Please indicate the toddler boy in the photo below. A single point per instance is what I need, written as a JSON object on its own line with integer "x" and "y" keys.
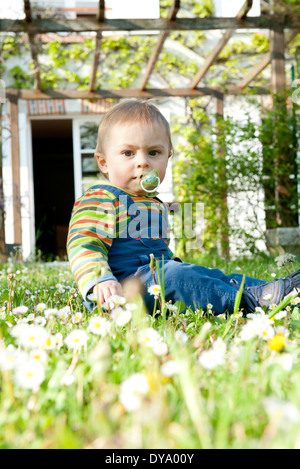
{"x": 115, "y": 226}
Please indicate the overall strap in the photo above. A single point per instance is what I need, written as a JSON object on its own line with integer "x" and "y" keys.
{"x": 117, "y": 192}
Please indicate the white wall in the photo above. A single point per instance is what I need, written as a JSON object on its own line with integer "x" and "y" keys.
{"x": 7, "y": 178}
{"x": 26, "y": 181}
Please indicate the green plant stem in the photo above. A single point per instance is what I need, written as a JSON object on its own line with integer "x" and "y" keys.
{"x": 162, "y": 292}
{"x": 282, "y": 305}
{"x": 237, "y": 303}
{"x": 159, "y": 298}
{"x": 180, "y": 319}
{"x": 292, "y": 281}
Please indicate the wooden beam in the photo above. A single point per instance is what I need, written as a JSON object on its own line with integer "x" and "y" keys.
{"x": 95, "y": 62}
{"x": 263, "y": 63}
{"x": 219, "y": 105}
{"x": 122, "y": 93}
{"x": 86, "y": 24}
{"x": 220, "y": 46}
{"x": 277, "y": 47}
{"x": 33, "y": 46}
{"x": 101, "y": 11}
{"x": 27, "y": 9}
{"x": 100, "y": 16}
{"x": 243, "y": 12}
{"x": 34, "y": 54}
{"x": 15, "y": 161}
{"x": 159, "y": 45}
{"x": 255, "y": 71}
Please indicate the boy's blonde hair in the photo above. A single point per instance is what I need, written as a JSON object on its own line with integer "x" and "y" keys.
{"x": 127, "y": 112}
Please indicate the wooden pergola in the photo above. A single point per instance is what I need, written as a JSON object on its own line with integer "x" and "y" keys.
{"x": 283, "y": 28}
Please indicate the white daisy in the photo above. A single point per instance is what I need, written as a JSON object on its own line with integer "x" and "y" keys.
{"x": 154, "y": 290}
{"x": 40, "y": 307}
{"x": 99, "y": 325}
{"x": 170, "y": 368}
{"x": 76, "y": 339}
{"x": 76, "y": 318}
{"x": 30, "y": 374}
{"x": 32, "y": 336}
{"x": 149, "y": 337}
{"x": 63, "y": 313}
{"x": 11, "y": 357}
{"x": 121, "y": 316}
{"x": 181, "y": 337}
{"x": 132, "y": 390}
{"x": 20, "y": 310}
{"x": 160, "y": 349}
{"x": 40, "y": 320}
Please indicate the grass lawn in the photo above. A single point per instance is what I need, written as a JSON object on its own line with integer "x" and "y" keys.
{"x": 74, "y": 379}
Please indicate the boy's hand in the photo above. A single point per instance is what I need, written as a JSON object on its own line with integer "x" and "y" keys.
{"x": 106, "y": 289}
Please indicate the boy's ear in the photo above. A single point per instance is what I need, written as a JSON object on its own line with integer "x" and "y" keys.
{"x": 101, "y": 162}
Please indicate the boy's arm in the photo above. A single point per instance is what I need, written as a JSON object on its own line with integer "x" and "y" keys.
{"x": 91, "y": 232}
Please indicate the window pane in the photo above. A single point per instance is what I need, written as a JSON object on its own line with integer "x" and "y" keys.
{"x": 88, "y": 135}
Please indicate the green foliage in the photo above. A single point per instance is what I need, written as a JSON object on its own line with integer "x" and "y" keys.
{"x": 200, "y": 9}
{"x": 195, "y": 173}
{"x": 294, "y": 46}
{"x": 10, "y": 46}
{"x": 236, "y": 158}
{"x": 257, "y": 43}
{"x": 286, "y": 6}
{"x": 49, "y": 79}
{"x": 279, "y": 133}
{"x": 21, "y": 78}
{"x": 55, "y": 53}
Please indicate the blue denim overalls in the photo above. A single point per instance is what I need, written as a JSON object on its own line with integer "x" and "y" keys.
{"x": 197, "y": 286}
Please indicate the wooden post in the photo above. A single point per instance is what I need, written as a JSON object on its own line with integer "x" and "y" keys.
{"x": 277, "y": 45}
{"x": 100, "y": 16}
{"x": 15, "y": 160}
{"x": 3, "y": 257}
{"x": 222, "y": 179}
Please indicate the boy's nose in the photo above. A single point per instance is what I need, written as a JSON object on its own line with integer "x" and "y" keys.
{"x": 142, "y": 161}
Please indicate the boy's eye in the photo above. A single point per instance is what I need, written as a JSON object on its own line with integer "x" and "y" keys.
{"x": 128, "y": 153}
{"x": 153, "y": 152}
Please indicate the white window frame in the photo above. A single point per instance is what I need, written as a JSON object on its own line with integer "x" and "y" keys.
{"x": 77, "y": 121}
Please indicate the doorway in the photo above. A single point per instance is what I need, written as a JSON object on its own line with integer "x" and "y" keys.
{"x": 53, "y": 170}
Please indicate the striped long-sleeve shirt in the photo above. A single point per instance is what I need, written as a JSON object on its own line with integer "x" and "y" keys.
{"x": 98, "y": 217}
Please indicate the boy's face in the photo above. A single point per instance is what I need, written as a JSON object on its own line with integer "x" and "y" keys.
{"x": 132, "y": 150}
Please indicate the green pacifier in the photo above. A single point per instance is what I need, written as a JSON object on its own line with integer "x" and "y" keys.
{"x": 150, "y": 182}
